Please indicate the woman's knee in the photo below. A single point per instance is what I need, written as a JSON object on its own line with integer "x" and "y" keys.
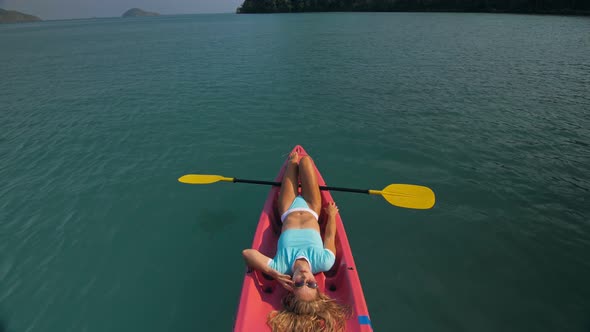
{"x": 305, "y": 161}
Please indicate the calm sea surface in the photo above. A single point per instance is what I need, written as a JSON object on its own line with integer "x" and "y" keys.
{"x": 98, "y": 118}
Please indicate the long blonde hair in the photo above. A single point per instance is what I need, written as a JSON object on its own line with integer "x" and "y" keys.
{"x": 321, "y": 314}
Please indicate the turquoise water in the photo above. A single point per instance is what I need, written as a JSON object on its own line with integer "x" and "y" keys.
{"x": 100, "y": 117}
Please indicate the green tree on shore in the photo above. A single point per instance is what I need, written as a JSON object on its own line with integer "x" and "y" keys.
{"x": 516, "y": 6}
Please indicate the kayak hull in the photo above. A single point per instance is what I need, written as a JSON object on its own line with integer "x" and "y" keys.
{"x": 261, "y": 295}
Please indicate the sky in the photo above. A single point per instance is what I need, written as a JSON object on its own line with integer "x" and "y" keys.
{"x": 64, "y": 9}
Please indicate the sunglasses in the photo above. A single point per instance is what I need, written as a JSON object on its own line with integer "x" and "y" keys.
{"x": 310, "y": 284}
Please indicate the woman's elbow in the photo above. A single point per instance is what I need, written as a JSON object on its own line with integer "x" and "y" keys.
{"x": 247, "y": 253}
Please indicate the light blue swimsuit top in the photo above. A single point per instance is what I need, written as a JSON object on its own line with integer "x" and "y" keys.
{"x": 301, "y": 243}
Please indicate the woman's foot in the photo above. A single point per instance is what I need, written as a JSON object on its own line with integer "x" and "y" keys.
{"x": 294, "y": 157}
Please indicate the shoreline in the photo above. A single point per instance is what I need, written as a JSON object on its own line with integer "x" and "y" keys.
{"x": 552, "y": 13}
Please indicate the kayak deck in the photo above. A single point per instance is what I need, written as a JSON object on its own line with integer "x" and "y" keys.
{"x": 261, "y": 295}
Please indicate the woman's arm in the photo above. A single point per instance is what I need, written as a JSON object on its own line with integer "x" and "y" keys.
{"x": 330, "y": 232}
{"x": 257, "y": 261}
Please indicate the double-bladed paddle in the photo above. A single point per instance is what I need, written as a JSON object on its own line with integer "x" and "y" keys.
{"x": 403, "y": 195}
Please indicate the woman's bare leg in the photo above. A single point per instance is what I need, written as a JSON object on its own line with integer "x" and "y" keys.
{"x": 290, "y": 184}
{"x": 309, "y": 184}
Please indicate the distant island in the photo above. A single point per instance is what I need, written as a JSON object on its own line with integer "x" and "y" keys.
{"x": 577, "y": 7}
{"x": 12, "y": 16}
{"x": 136, "y": 12}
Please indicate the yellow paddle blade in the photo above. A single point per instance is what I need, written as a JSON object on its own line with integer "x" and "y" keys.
{"x": 407, "y": 196}
{"x": 203, "y": 179}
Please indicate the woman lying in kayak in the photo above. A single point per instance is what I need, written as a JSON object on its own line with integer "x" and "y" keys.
{"x": 301, "y": 253}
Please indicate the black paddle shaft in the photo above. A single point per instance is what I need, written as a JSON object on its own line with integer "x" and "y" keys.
{"x": 278, "y": 184}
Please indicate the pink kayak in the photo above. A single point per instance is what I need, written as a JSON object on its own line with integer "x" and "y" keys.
{"x": 260, "y": 295}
